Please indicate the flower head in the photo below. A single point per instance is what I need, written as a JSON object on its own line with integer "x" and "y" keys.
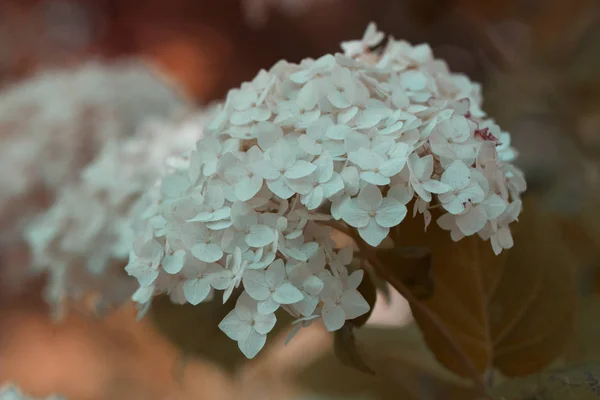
{"x": 349, "y": 137}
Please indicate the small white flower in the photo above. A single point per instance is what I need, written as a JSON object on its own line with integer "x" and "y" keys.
{"x": 322, "y": 184}
{"x": 245, "y": 221}
{"x": 308, "y": 277}
{"x": 342, "y": 302}
{"x": 400, "y": 187}
{"x": 173, "y": 261}
{"x": 201, "y": 242}
{"x": 144, "y": 260}
{"x": 282, "y": 164}
{"x": 211, "y": 151}
{"x": 271, "y": 288}
{"x": 498, "y": 230}
{"x": 421, "y": 180}
{"x": 213, "y": 206}
{"x": 351, "y": 180}
{"x": 452, "y": 139}
{"x": 318, "y": 138}
{"x": 372, "y": 214}
{"x": 462, "y": 190}
{"x": 198, "y": 277}
{"x": 230, "y": 277}
{"x": 247, "y": 326}
{"x": 377, "y": 168}
{"x": 371, "y": 38}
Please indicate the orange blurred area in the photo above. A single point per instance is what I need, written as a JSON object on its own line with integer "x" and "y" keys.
{"x": 84, "y": 358}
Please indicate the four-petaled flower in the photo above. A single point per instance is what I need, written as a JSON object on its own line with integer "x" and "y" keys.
{"x": 247, "y": 326}
{"x": 342, "y": 301}
{"x": 271, "y": 287}
{"x": 373, "y": 214}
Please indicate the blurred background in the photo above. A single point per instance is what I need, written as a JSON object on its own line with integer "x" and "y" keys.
{"x": 538, "y": 62}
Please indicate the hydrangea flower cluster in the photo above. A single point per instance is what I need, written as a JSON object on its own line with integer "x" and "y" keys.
{"x": 83, "y": 240}
{"x": 349, "y": 139}
{"x": 55, "y": 123}
{"x": 10, "y": 392}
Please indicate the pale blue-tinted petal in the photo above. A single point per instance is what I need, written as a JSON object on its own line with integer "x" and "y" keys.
{"x": 374, "y": 178}
{"x": 207, "y": 252}
{"x": 505, "y": 238}
{"x": 333, "y": 316}
{"x": 300, "y": 169}
{"x": 373, "y": 234}
{"x": 437, "y": 187}
{"x": 472, "y": 221}
{"x": 248, "y": 188}
{"x": 260, "y": 236}
{"x": 313, "y": 285}
{"x": 308, "y": 96}
{"x": 355, "y": 279}
{"x": 260, "y": 114}
{"x": 275, "y": 274}
{"x": 369, "y": 198}
{"x": 173, "y": 264}
{"x": 354, "y": 304}
{"x": 353, "y": 214}
{"x": 333, "y": 185}
{"x": 264, "y": 323}
{"x": 457, "y": 175}
{"x": 266, "y": 170}
{"x": 287, "y": 294}
{"x": 309, "y": 145}
{"x": 391, "y": 213}
{"x": 255, "y": 285}
{"x": 392, "y": 167}
{"x": 403, "y": 193}
{"x": 313, "y": 199}
{"x": 337, "y": 99}
{"x": 252, "y": 344}
{"x": 268, "y": 306}
{"x": 233, "y": 327}
{"x": 307, "y": 306}
{"x": 196, "y": 290}
{"x": 494, "y": 206}
{"x": 280, "y": 188}
{"x": 451, "y": 203}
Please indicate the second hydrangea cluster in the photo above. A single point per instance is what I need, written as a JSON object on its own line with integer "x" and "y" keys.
{"x": 350, "y": 139}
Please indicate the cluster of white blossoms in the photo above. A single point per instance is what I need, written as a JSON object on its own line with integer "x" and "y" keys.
{"x": 11, "y": 392}
{"x": 348, "y": 139}
{"x": 56, "y": 122}
{"x": 84, "y": 239}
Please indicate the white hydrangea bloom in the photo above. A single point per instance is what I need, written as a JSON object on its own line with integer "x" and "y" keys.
{"x": 11, "y": 392}
{"x": 83, "y": 240}
{"x": 55, "y": 123}
{"x": 350, "y": 137}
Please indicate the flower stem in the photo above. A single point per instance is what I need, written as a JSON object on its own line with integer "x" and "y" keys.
{"x": 416, "y": 304}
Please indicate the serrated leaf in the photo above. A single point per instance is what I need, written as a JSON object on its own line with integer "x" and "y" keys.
{"x": 574, "y": 383}
{"x": 513, "y": 312}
